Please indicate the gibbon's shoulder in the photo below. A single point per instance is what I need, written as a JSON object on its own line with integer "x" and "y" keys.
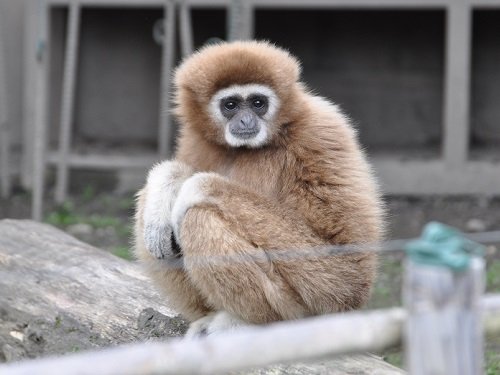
{"x": 322, "y": 125}
{"x": 325, "y": 148}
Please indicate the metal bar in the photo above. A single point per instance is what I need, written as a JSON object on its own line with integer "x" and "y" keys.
{"x": 106, "y": 161}
{"x": 68, "y": 98}
{"x": 240, "y": 20}
{"x": 5, "y": 173}
{"x": 324, "y": 4}
{"x": 485, "y": 4}
{"x": 41, "y": 109}
{"x": 113, "y": 3}
{"x": 350, "y": 4}
{"x": 186, "y": 28}
{"x": 29, "y": 95}
{"x": 436, "y": 177}
{"x": 457, "y": 84}
{"x": 274, "y": 3}
{"x": 166, "y": 128}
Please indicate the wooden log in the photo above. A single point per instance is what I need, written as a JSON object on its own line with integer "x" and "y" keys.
{"x": 444, "y": 333}
{"x": 59, "y": 295}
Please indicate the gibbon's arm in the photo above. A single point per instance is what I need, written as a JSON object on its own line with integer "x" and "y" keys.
{"x": 228, "y": 236}
{"x": 339, "y": 214}
{"x": 251, "y": 215}
{"x": 330, "y": 182}
{"x": 154, "y": 243}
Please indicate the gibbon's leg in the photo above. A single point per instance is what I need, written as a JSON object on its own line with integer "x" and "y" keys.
{"x": 154, "y": 244}
{"x": 228, "y": 236}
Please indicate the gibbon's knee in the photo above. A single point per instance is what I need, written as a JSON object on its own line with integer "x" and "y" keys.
{"x": 231, "y": 273}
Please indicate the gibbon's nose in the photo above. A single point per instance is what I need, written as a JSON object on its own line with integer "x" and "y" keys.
{"x": 247, "y": 122}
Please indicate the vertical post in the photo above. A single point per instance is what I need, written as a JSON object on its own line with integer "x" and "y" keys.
{"x": 457, "y": 83}
{"x": 5, "y": 174}
{"x": 31, "y": 37}
{"x": 68, "y": 98}
{"x": 186, "y": 28}
{"x": 240, "y": 20}
{"x": 166, "y": 129}
{"x": 443, "y": 331}
{"x": 40, "y": 108}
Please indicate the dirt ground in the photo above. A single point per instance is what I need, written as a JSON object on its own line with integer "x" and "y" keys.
{"x": 103, "y": 219}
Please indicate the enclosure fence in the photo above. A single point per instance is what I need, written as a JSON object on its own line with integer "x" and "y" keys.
{"x": 442, "y": 324}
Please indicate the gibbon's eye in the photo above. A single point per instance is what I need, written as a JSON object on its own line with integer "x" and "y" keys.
{"x": 258, "y": 103}
{"x": 230, "y": 105}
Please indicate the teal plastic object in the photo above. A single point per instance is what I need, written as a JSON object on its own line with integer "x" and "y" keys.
{"x": 442, "y": 245}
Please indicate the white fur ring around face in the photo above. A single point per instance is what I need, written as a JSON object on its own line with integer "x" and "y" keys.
{"x": 163, "y": 183}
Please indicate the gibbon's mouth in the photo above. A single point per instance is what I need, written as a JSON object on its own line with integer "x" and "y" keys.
{"x": 246, "y": 137}
{"x": 246, "y": 134}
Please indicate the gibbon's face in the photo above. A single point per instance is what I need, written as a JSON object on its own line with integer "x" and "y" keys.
{"x": 245, "y": 114}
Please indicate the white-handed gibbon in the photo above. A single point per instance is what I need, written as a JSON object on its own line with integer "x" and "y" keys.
{"x": 262, "y": 166}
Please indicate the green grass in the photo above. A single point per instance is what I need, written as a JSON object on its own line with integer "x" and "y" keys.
{"x": 66, "y": 215}
{"x": 101, "y": 221}
{"x": 88, "y": 193}
{"x": 387, "y": 289}
{"x": 493, "y": 362}
{"x": 127, "y": 203}
{"x": 122, "y": 252}
{"x": 394, "y": 357}
{"x": 87, "y": 208}
{"x": 63, "y": 216}
{"x": 493, "y": 276}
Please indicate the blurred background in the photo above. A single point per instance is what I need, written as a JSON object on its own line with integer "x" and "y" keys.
{"x": 84, "y": 101}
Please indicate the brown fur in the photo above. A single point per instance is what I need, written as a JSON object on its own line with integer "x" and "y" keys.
{"x": 311, "y": 185}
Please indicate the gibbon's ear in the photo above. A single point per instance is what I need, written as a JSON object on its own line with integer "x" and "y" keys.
{"x": 217, "y": 66}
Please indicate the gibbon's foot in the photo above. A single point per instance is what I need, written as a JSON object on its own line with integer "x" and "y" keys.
{"x": 199, "y": 328}
{"x": 163, "y": 184}
{"x": 213, "y": 324}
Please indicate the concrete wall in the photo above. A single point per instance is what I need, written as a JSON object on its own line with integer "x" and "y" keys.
{"x": 486, "y": 80}
{"x": 119, "y": 76}
{"x": 117, "y": 99}
{"x": 385, "y": 68}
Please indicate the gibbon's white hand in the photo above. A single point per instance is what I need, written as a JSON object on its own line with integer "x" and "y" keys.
{"x": 163, "y": 184}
